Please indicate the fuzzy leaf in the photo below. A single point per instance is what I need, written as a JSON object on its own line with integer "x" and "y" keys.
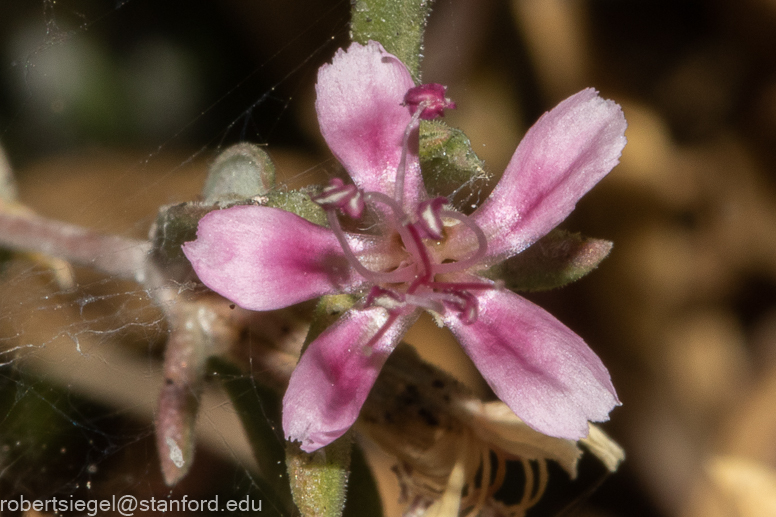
{"x": 241, "y": 172}
{"x": 555, "y": 260}
{"x": 177, "y": 414}
{"x": 397, "y": 24}
{"x": 319, "y": 480}
{"x": 299, "y": 203}
{"x": 447, "y": 160}
{"x": 196, "y": 334}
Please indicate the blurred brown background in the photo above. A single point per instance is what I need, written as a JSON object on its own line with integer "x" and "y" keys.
{"x": 109, "y": 109}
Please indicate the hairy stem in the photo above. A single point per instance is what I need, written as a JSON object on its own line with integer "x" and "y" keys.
{"x": 118, "y": 256}
{"x": 397, "y": 24}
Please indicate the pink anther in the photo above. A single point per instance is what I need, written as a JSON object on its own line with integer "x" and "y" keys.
{"x": 430, "y": 217}
{"x": 430, "y": 98}
{"x": 338, "y": 195}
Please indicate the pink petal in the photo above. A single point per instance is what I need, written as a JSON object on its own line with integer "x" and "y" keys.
{"x": 336, "y": 373}
{"x": 561, "y": 157}
{"x": 264, "y": 258}
{"x": 359, "y": 104}
{"x": 542, "y": 370}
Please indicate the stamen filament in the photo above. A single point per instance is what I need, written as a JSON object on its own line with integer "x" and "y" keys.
{"x": 398, "y": 211}
{"x": 400, "y": 171}
{"x": 542, "y": 485}
{"x": 380, "y": 292}
{"x": 396, "y": 276}
{"x": 416, "y": 272}
{"x": 467, "y": 286}
{"x": 412, "y": 241}
{"x": 429, "y": 217}
{"x": 484, "y": 482}
{"x": 420, "y": 249}
{"x": 426, "y": 302}
{"x": 525, "y": 502}
{"x": 462, "y": 301}
{"x": 501, "y": 473}
{"x": 482, "y": 245}
{"x": 392, "y": 317}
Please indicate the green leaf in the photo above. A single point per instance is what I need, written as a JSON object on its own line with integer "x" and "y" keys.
{"x": 555, "y": 260}
{"x": 299, "y": 203}
{"x": 243, "y": 171}
{"x": 397, "y": 24}
{"x": 319, "y": 479}
{"x": 447, "y": 160}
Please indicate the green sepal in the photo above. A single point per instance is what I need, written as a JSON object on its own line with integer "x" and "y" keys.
{"x": 243, "y": 171}
{"x": 319, "y": 480}
{"x": 297, "y": 202}
{"x": 555, "y": 260}
{"x": 397, "y": 24}
{"x": 447, "y": 160}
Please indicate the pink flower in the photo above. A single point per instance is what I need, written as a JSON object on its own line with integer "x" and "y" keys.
{"x": 421, "y": 255}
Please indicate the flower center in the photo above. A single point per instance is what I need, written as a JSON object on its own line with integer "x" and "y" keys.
{"x": 414, "y": 281}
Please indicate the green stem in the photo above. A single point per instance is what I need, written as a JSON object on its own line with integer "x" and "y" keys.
{"x": 397, "y": 24}
{"x": 258, "y": 407}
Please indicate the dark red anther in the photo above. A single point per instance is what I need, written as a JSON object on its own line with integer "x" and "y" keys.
{"x": 430, "y": 98}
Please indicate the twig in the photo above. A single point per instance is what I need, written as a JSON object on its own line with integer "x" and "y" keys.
{"x": 118, "y": 256}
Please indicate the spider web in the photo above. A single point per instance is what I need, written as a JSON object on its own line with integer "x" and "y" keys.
{"x": 107, "y": 112}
